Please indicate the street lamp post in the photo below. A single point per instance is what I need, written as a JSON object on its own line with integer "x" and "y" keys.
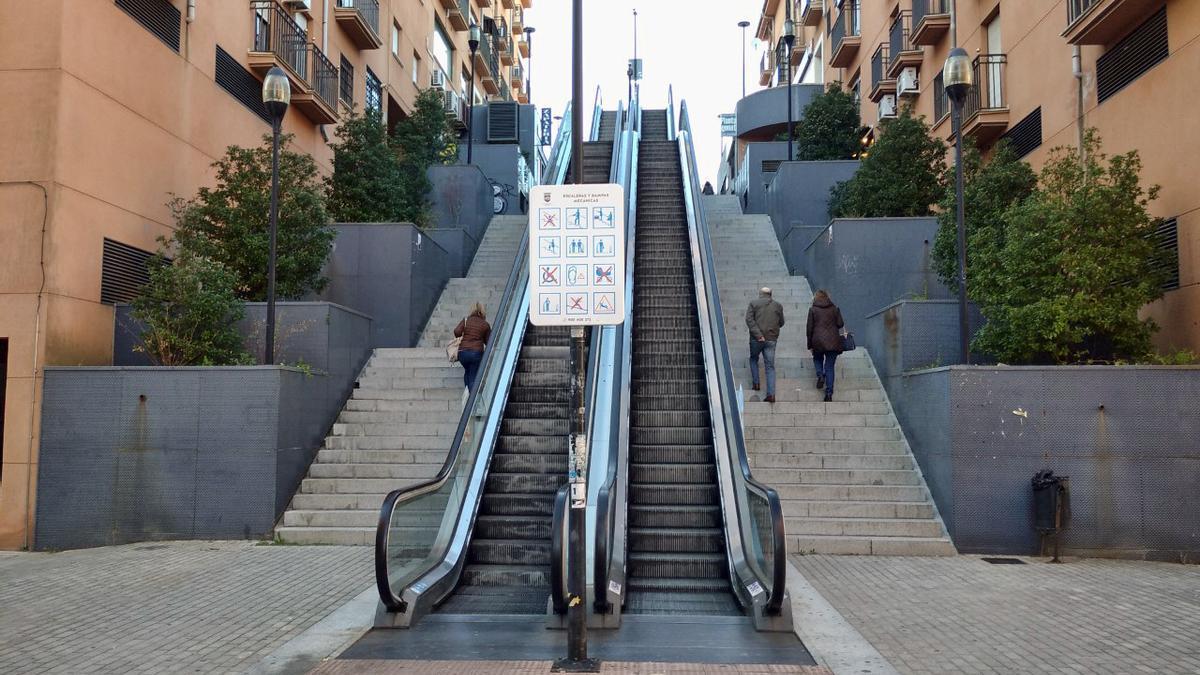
{"x": 629, "y": 79}
{"x": 473, "y": 43}
{"x": 958, "y": 79}
{"x": 789, "y": 37}
{"x": 529, "y": 63}
{"x": 743, "y": 25}
{"x": 276, "y": 95}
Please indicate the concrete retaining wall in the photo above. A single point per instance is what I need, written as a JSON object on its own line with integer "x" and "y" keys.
{"x": 916, "y": 334}
{"x": 798, "y": 202}
{"x": 460, "y": 210}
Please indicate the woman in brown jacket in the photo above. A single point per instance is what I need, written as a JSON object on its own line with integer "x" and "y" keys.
{"x": 824, "y": 339}
{"x": 474, "y": 331}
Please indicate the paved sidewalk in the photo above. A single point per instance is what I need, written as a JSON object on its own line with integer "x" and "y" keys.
{"x": 962, "y": 615}
{"x": 169, "y": 607}
{"x": 352, "y": 667}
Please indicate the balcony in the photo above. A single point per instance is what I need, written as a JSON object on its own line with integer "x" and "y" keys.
{"x": 360, "y": 20}
{"x": 280, "y": 41}
{"x": 484, "y": 3}
{"x": 1098, "y": 22}
{"x": 458, "y": 14}
{"x": 503, "y": 41}
{"x": 904, "y": 54}
{"x": 881, "y": 83}
{"x": 516, "y": 76}
{"x": 845, "y": 36}
{"x": 527, "y": 3}
{"x": 766, "y": 68}
{"x": 523, "y": 46}
{"x": 487, "y": 65}
{"x": 930, "y": 21}
{"x": 798, "y": 48}
{"x": 810, "y": 12}
{"x": 518, "y": 21}
{"x": 508, "y": 4}
{"x": 985, "y": 112}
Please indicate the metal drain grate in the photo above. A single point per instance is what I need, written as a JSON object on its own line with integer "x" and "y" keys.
{"x": 1003, "y": 561}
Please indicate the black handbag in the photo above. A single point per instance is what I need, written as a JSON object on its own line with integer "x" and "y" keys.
{"x": 848, "y": 344}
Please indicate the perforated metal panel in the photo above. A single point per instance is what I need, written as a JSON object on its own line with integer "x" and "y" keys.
{"x": 123, "y": 272}
{"x": 502, "y": 122}
{"x": 1136, "y": 53}
{"x": 160, "y": 17}
{"x": 1025, "y": 136}
{"x": 240, "y": 83}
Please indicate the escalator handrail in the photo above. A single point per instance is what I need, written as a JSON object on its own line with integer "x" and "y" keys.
{"x": 671, "y": 132}
{"x": 624, "y": 171}
{"x": 597, "y": 116}
{"x": 778, "y": 574}
{"x": 383, "y": 527}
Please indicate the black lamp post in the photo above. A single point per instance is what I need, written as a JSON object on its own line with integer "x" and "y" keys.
{"x": 473, "y": 43}
{"x": 276, "y": 95}
{"x": 789, "y": 37}
{"x": 529, "y": 63}
{"x": 743, "y": 25}
{"x": 958, "y": 79}
{"x": 629, "y": 79}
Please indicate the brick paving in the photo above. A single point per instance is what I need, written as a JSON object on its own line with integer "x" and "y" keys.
{"x": 366, "y": 667}
{"x": 962, "y": 615}
{"x": 167, "y": 607}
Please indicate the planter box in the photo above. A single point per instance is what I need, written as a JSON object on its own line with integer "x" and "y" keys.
{"x": 138, "y": 454}
{"x": 1127, "y": 436}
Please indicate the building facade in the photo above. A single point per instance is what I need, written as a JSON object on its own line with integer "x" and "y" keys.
{"x": 1044, "y": 71}
{"x": 114, "y": 106}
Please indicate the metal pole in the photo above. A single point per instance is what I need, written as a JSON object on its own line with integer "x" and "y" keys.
{"x": 964, "y": 342}
{"x": 743, "y": 59}
{"x": 270, "y": 349}
{"x": 789, "y": 96}
{"x": 577, "y": 90}
{"x": 471, "y": 110}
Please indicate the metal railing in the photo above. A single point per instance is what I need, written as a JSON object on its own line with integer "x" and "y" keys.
{"x": 753, "y": 513}
{"x": 768, "y": 62}
{"x": 846, "y": 24}
{"x": 279, "y": 34}
{"x": 923, "y": 8}
{"x": 988, "y": 91}
{"x": 941, "y": 102}
{"x": 879, "y": 66}
{"x": 367, "y": 9}
{"x": 1077, "y": 8}
{"x": 324, "y": 77}
{"x": 900, "y": 35}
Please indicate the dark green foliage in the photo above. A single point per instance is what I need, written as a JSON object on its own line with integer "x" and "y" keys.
{"x": 1071, "y": 267}
{"x": 989, "y": 190}
{"x": 829, "y": 127}
{"x": 189, "y": 309}
{"x": 367, "y": 181}
{"x": 422, "y": 140}
{"x": 230, "y": 222}
{"x": 901, "y": 174}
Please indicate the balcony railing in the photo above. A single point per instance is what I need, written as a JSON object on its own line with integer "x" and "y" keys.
{"x": 941, "y": 102}
{"x": 809, "y": 12}
{"x": 275, "y": 32}
{"x": 518, "y": 20}
{"x": 1077, "y": 8}
{"x": 517, "y": 75}
{"x": 459, "y": 15}
{"x": 988, "y": 93}
{"x": 360, "y": 20}
{"x": 904, "y": 53}
{"x": 324, "y": 77}
{"x": 930, "y": 20}
{"x": 881, "y": 82}
{"x": 487, "y": 64}
{"x": 845, "y": 35}
{"x": 766, "y": 67}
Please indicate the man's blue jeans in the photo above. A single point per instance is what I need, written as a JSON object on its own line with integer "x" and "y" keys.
{"x": 767, "y": 349}
{"x": 823, "y": 362}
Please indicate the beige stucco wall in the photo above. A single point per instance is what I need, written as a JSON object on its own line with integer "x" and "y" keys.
{"x": 1151, "y": 115}
{"x": 112, "y": 123}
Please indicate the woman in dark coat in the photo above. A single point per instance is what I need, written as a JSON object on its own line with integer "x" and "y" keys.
{"x": 824, "y": 339}
{"x": 474, "y": 331}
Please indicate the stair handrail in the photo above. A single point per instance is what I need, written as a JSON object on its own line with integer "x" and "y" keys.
{"x": 671, "y": 133}
{"x": 726, "y": 416}
{"x": 608, "y": 574}
{"x": 597, "y": 114}
{"x": 392, "y": 602}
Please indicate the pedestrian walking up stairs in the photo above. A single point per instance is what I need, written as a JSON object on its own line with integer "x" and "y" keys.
{"x": 847, "y": 479}
{"x": 397, "y": 426}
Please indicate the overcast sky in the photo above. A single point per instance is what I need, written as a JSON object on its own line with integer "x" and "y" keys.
{"x": 695, "y": 45}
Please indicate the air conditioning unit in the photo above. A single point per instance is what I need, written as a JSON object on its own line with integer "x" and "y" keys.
{"x": 437, "y": 79}
{"x": 887, "y": 106}
{"x": 908, "y": 84}
{"x": 452, "y": 105}
{"x": 303, "y": 5}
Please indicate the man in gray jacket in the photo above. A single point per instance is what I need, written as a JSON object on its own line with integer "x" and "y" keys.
{"x": 764, "y": 318}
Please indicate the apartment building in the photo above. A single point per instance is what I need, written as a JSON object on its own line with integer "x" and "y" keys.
{"x": 113, "y": 106}
{"x": 1044, "y": 70}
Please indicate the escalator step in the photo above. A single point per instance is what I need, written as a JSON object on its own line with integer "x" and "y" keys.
{"x": 663, "y": 495}
{"x": 678, "y": 565}
{"x": 677, "y": 402}
{"x": 642, "y": 419}
{"x": 543, "y": 366}
{"x": 528, "y": 411}
{"x": 675, "y": 516}
{"x": 507, "y": 575}
{"x": 676, "y": 540}
{"x": 644, "y": 474}
{"x": 532, "y": 444}
{"x": 650, "y": 386}
{"x": 498, "y": 483}
{"x": 512, "y": 527}
{"x": 562, "y": 379}
{"x": 527, "y": 394}
{"x": 671, "y": 454}
{"x": 535, "y": 427}
{"x": 670, "y": 435}
{"x": 508, "y": 552}
{"x": 530, "y": 463}
{"x": 518, "y": 503}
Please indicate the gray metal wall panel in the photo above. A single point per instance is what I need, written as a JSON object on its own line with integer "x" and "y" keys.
{"x": 798, "y": 203}
{"x": 920, "y": 405}
{"x": 755, "y": 199}
{"x": 916, "y": 334}
{"x": 460, "y": 204}
{"x": 765, "y": 111}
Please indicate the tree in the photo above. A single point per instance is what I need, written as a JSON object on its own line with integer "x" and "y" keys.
{"x": 189, "y": 311}
{"x": 230, "y": 222}
{"x": 989, "y": 191}
{"x": 422, "y": 140}
{"x": 829, "y": 127}
{"x": 366, "y": 185}
{"x": 901, "y": 174}
{"x": 1074, "y": 264}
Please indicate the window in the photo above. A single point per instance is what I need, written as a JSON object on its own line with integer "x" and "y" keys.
{"x": 346, "y": 82}
{"x": 442, "y": 50}
{"x": 374, "y": 98}
{"x": 240, "y": 83}
{"x": 416, "y": 69}
{"x": 122, "y": 272}
{"x": 395, "y": 39}
{"x": 160, "y": 17}
{"x": 1135, "y": 54}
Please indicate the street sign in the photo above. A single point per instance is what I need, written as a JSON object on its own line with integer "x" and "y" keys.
{"x": 728, "y": 124}
{"x": 577, "y": 255}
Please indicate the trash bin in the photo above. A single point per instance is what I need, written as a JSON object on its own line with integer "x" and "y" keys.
{"x": 1049, "y": 502}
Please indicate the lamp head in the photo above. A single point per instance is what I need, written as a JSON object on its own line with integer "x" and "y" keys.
{"x": 473, "y": 40}
{"x": 957, "y": 75}
{"x": 529, "y": 30}
{"x": 276, "y": 92}
{"x": 789, "y": 33}
{"x": 743, "y": 24}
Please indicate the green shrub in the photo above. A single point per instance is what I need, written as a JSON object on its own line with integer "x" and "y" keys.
{"x": 829, "y": 127}
{"x": 422, "y": 140}
{"x": 366, "y": 185}
{"x": 901, "y": 174}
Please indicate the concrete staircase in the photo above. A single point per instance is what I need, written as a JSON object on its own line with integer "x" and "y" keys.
{"x": 400, "y": 422}
{"x": 844, "y": 472}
